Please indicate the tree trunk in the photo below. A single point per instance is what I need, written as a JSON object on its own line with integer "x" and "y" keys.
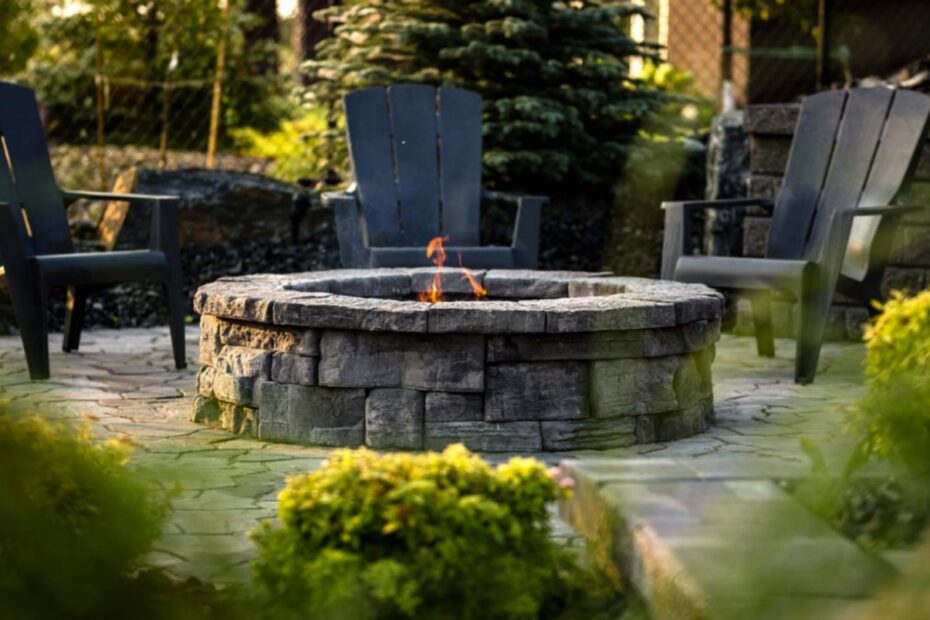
{"x": 308, "y": 32}
{"x": 263, "y": 37}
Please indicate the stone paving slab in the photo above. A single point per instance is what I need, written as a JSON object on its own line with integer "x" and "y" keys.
{"x": 122, "y": 384}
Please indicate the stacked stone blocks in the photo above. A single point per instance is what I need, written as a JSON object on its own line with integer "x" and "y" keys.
{"x": 506, "y": 380}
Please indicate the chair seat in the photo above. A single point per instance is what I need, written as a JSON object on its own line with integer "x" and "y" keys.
{"x": 101, "y": 267}
{"x": 472, "y": 257}
{"x": 743, "y": 273}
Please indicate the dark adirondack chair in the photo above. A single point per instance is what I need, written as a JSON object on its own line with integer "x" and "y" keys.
{"x": 832, "y": 222}
{"x": 37, "y": 251}
{"x": 416, "y": 153}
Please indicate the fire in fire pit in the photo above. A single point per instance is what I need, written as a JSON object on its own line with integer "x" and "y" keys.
{"x": 437, "y": 253}
{"x": 523, "y": 361}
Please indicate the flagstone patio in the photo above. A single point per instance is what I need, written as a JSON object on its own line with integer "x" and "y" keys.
{"x": 123, "y": 384}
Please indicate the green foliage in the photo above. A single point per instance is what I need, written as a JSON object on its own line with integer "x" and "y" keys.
{"x": 893, "y": 420}
{"x": 144, "y": 44}
{"x": 18, "y": 39}
{"x": 415, "y": 536}
{"x": 560, "y": 109}
{"x": 299, "y": 148}
{"x": 73, "y": 522}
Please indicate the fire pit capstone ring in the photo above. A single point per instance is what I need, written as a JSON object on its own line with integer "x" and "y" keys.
{"x": 548, "y": 361}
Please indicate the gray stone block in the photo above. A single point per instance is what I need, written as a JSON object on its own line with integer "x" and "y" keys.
{"x": 769, "y": 154}
{"x": 645, "y": 428}
{"x": 755, "y": 236}
{"x": 204, "y": 410}
{"x": 595, "y": 287}
{"x": 685, "y": 338}
{"x": 778, "y": 119}
{"x": 693, "y": 383}
{"x": 485, "y": 317}
{"x": 205, "y": 381}
{"x": 288, "y": 368}
{"x": 566, "y": 347}
{"x": 210, "y": 344}
{"x": 588, "y": 434}
{"x": 857, "y": 318}
{"x": 764, "y": 185}
{"x": 237, "y": 419}
{"x": 536, "y": 391}
{"x": 598, "y": 314}
{"x": 319, "y": 407}
{"x": 244, "y": 362}
{"x": 685, "y": 423}
{"x": 233, "y": 388}
{"x": 450, "y": 362}
{"x": 266, "y": 337}
{"x": 450, "y": 407}
{"x": 633, "y": 387}
{"x": 311, "y": 415}
{"x": 394, "y": 419}
{"x": 340, "y": 312}
{"x": 911, "y": 246}
{"x": 485, "y": 436}
{"x": 373, "y": 283}
{"x": 902, "y": 279}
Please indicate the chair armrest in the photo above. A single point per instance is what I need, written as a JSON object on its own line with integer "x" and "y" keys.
{"x": 720, "y": 205}
{"x": 332, "y": 199}
{"x": 353, "y": 248}
{"x": 893, "y": 210}
{"x": 525, "y": 242}
{"x": 71, "y": 196}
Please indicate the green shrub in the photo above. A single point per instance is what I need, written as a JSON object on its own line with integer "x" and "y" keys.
{"x": 560, "y": 109}
{"x": 893, "y": 420}
{"x": 426, "y": 536}
{"x": 73, "y": 522}
{"x": 299, "y": 148}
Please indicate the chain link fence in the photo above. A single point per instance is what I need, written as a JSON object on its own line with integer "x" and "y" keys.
{"x": 216, "y": 83}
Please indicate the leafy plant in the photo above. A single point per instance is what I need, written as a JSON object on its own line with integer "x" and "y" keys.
{"x": 560, "y": 108}
{"x": 73, "y": 522}
{"x": 299, "y": 148}
{"x": 893, "y": 420}
{"x": 415, "y": 536}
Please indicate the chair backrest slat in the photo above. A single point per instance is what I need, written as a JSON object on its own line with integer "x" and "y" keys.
{"x": 796, "y": 204}
{"x": 856, "y": 144}
{"x": 460, "y": 144}
{"x": 33, "y": 179}
{"x": 901, "y": 142}
{"x": 369, "y": 129}
{"x": 416, "y": 152}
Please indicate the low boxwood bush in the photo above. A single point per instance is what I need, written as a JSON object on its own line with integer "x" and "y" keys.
{"x": 433, "y": 535}
{"x": 893, "y": 419}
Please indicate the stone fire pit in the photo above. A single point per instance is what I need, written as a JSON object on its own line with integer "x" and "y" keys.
{"x": 548, "y": 361}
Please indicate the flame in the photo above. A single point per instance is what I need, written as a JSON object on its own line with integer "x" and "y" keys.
{"x": 437, "y": 254}
{"x": 476, "y": 287}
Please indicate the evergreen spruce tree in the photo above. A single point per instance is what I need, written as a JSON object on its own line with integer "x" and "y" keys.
{"x": 560, "y": 109}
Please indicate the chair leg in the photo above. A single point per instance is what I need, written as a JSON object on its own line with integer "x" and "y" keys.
{"x": 75, "y": 307}
{"x": 176, "y": 308}
{"x": 31, "y": 307}
{"x": 762, "y": 322}
{"x": 815, "y": 307}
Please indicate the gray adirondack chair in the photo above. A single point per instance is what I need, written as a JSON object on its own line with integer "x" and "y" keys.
{"x": 416, "y": 154}
{"x": 37, "y": 251}
{"x": 832, "y": 222}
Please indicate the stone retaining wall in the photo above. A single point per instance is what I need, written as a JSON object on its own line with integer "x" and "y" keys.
{"x": 771, "y": 129}
{"x": 330, "y": 383}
